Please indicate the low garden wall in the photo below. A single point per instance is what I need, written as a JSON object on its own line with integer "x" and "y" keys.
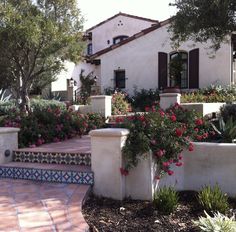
{"x": 208, "y": 164}
{"x": 203, "y": 108}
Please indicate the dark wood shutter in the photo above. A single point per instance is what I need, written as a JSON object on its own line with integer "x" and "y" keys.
{"x": 194, "y": 69}
{"x": 162, "y": 70}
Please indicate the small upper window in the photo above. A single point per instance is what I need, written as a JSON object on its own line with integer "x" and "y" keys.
{"x": 120, "y": 79}
{"x": 118, "y": 39}
{"x": 90, "y": 49}
{"x": 178, "y": 69}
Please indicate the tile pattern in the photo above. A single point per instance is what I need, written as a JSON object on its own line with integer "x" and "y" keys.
{"x": 35, "y": 206}
{"x": 59, "y": 176}
{"x": 52, "y": 157}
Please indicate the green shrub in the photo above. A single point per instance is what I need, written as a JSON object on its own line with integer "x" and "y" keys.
{"x": 119, "y": 104}
{"x": 95, "y": 121}
{"x": 228, "y": 111}
{"x": 217, "y": 223}
{"x": 41, "y": 104}
{"x": 213, "y": 93}
{"x": 144, "y": 98}
{"x": 166, "y": 200}
{"x": 7, "y": 107}
{"x": 213, "y": 199}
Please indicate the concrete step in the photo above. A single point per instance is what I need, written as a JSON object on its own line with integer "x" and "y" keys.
{"x": 75, "y": 174}
{"x": 48, "y": 156}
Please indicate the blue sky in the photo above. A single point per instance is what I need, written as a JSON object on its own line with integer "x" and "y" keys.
{"x": 95, "y": 11}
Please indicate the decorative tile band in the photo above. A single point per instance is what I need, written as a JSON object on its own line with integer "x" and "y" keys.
{"x": 53, "y": 158}
{"x": 47, "y": 175}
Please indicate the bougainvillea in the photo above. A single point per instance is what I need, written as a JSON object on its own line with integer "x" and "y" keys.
{"x": 165, "y": 133}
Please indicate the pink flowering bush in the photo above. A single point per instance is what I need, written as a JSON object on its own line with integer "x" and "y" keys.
{"x": 166, "y": 134}
{"x": 50, "y": 125}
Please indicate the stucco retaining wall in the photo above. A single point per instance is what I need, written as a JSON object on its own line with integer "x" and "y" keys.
{"x": 8, "y": 142}
{"x": 208, "y": 164}
{"x": 203, "y": 108}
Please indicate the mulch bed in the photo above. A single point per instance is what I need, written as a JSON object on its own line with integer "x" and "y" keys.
{"x": 104, "y": 214}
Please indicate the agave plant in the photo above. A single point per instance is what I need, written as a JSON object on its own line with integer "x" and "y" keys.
{"x": 217, "y": 223}
{"x": 4, "y": 97}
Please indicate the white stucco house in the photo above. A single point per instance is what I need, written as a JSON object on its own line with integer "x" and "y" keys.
{"x": 127, "y": 51}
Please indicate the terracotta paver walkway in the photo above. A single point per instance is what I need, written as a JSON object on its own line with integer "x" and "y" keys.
{"x": 74, "y": 145}
{"x": 41, "y": 207}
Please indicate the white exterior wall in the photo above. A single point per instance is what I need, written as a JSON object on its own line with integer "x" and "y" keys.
{"x": 61, "y": 83}
{"x": 139, "y": 58}
{"x": 111, "y": 29}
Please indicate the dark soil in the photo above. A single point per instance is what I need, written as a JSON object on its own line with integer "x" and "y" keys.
{"x": 104, "y": 214}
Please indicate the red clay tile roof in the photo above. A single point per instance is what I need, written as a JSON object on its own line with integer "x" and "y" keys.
{"x": 122, "y": 14}
{"x": 129, "y": 39}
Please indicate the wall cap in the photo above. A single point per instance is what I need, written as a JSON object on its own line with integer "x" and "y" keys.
{"x": 8, "y": 130}
{"x": 170, "y": 95}
{"x": 109, "y": 132}
{"x": 100, "y": 96}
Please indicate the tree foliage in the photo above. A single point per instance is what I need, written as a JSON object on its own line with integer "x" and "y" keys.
{"x": 203, "y": 20}
{"x": 36, "y": 36}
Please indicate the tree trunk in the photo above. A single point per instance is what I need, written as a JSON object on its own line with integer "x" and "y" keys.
{"x": 25, "y": 101}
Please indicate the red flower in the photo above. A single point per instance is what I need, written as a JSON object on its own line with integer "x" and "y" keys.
{"x": 142, "y": 118}
{"x": 157, "y": 177}
{"x": 166, "y": 164}
{"x": 196, "y": 129}
{"x": 180, "y": 157}
{"x": 162, "y": 113}
{"x": 160, "y": 153}
{"x": 178, "y": 132}
{"x": 124, "y": 172}
{"x": 190, "y": 148}
{"x": 205, "y": 135}
{"x": 199, "y": 122}
{"x": 147, "y": 109}
{"x": 173, "y": 118}
{"x": 170, "y": 172}
{"x": 179, "y": 164}
{"x": 199, "y": 137}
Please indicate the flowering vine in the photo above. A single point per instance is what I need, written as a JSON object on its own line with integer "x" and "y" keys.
{"x": 165, "y": 133}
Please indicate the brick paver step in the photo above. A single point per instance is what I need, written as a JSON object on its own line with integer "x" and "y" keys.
{"x": 27, "y": 205}
{"x": 75, "y": 174}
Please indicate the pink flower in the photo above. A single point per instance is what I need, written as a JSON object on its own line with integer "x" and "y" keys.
{"x": 190, "y": 148}
{"x": 199, "y": 122}
{"x": 199, "y": 137}
{"x": 173, "y": 118}
{"x": 162, "y": 113}
{"x": 32, "y": 146}
{"x": 147, "y": 109}
{"x": 124, "y": 172}
{"x": 178, "y": 132}
{"x": 180, "y": 157}
{"x": 160, "y": 153}
{"x": 166, "y": 164}
{"x": 178, "y": 164}
{"x": 170, "y": 172}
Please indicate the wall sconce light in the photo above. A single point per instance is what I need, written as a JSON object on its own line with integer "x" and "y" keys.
{"x": 95, "y": 79}
{"x": 71, "y": 82}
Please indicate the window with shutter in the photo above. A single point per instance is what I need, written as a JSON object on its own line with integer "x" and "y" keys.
{"x": 162, "y": 70}
{"x": 194, "y": 69}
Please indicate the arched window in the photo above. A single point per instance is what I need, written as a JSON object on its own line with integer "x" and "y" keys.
{"x": 178, "y": 69}
{"x": 119, "y": 38}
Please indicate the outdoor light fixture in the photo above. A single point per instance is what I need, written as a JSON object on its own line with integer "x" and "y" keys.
{"x": 71, "y": 82}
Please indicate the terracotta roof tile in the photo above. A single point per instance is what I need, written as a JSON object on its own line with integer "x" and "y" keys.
{"x": 122, "y": 14}
{"x": 129, "y": 39}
